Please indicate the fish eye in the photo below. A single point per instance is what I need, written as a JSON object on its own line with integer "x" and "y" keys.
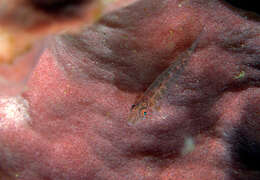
{"x": 143, "y": 112}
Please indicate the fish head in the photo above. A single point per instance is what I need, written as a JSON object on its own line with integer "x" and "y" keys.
{"x": 139, "y": 112}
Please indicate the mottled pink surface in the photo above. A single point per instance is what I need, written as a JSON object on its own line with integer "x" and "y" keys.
{"x": 71, "y": 123}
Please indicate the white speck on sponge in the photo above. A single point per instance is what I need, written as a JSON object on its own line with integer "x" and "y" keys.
{"x": 188, "y": 145}
{"x": 13, "y": 112}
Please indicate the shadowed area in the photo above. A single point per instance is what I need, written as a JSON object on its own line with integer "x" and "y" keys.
{"x": 55, "y": 6}
{"x": 199, "y": 112}
{"x": 246, "y": 5}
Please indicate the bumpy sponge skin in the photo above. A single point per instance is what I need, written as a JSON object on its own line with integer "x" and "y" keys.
{"x": 72, "y": 123}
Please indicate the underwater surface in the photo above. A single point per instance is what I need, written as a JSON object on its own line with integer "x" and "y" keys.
{"x": 148, "y": 90}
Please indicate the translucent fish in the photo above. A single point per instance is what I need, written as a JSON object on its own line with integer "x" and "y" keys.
{"x": 151, "y": 100}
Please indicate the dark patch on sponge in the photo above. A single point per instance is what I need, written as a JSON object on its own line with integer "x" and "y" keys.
{"x": 245, "y": 149}
{"x": 243, "y": 142}
{"x": 248, "y": 5}
{"x": 58, "y": 6}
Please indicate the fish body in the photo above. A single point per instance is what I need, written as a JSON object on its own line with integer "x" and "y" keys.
{"x": 150, "y": 102}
